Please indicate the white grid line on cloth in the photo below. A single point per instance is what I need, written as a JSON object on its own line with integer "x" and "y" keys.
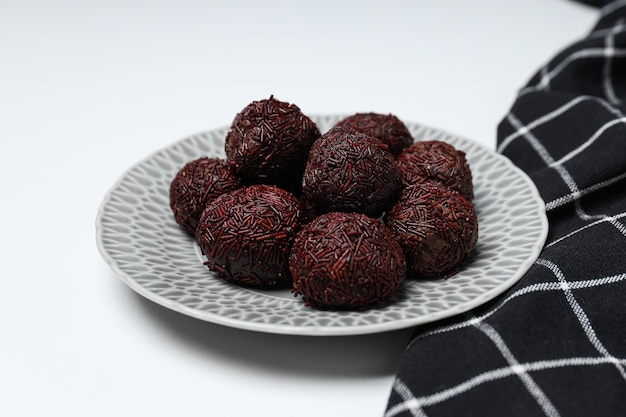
{"x": 608, "y": 52}
{"x": 611, "y": 7}
{"x": 546, "y": 157}
{"x": 544, "y": 76}
{"x": 541, "y": 120}
{"x": 496, "y": 374}
{"x": 525, "y": 131}
{"x": 598, "y": 52}
{"x": 409, "y": 402}
{"x": 560, "y": 169}
{"x": 568, "y": 198}
{"x": 589, "y": 141}
{"x": 529, "y": 383}
{"x": 554, "y": 114}
{"x": 607, "y": 79}
{"x": 529, "y": 289}
{"x": 599, "y": 33}
{"x": 582, "y": 316}
{"x": 611, "y": 219}
{"x": 576, "y": 194}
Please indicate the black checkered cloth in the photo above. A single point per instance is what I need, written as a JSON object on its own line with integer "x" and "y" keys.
{"x": 555, "y": 343}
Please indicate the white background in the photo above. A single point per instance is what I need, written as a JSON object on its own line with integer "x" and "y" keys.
{"x": 88, "y": 88}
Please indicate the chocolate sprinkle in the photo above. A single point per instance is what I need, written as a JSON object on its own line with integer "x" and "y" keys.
{"x": 349, "y": 171}
{"x": 384, "y": 127}
{"x": 246, "y": 235}
{"x": 341, "y": 218}
{"x": 196, "y": 183}
{"x": 346, "y": 261}
{"x": 436, "y": 227}
{"x": 439, "y": 161}
{"x": 269, "y": 141}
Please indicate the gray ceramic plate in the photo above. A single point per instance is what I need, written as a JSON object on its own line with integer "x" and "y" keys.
{"x": 137, "y": 236}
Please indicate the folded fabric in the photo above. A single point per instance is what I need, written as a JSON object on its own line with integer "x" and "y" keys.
{"x": 555, "y": 343}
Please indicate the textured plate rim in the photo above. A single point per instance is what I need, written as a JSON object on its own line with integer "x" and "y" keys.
{"x": 318, "y": 330}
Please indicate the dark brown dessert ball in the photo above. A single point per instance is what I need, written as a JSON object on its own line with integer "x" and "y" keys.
{"x": 439, "y": 161}
{"x": 385, "y": 127}
{"x": 349, "y": 171}
{"x": 197, "y": 183}
{"x": 269, "y": 141}
{"x": 346, "y": 261}
{"x": 436, "y": 227}
{"x": 247, "y": 234}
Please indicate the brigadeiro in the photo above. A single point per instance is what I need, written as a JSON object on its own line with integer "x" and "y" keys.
{"x": 439, "y": 161}
{"x": 349, "y": 171}
{"x": 195, "y": 184}
{"x": 247, "y": 234}
{"x": 385, "y": 127}
{"x": 269, "y": 141}
{"x": 346, "y": 261}
{"x": 436, "y": 227}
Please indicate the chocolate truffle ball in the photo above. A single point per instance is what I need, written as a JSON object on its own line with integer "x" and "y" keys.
{"x": 436, "y": 227}
{"x": 349, "y": 171}
{"x": 346, "y": 261}
{"x": 385, "y": 127}
{"x": 269, "y": 141}
{"x": 439, "y": 161}
{"x": 195, "y": 184}
{"x": 247, "y": 234}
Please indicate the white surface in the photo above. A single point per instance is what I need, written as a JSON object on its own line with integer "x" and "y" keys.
{"x": 513, "y": 228}
{"x": 87, "y": 88}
